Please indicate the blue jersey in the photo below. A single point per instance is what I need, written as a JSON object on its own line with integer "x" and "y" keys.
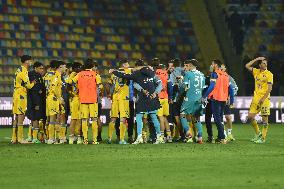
{"x": 195, "y": 82}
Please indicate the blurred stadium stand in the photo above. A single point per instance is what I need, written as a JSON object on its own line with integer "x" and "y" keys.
{"x": 103, "y": 29}
{"x": 257, "y": 29}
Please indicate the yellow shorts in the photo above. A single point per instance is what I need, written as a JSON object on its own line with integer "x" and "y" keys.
{"x": 264, "y": 108}
{"x": 75, "y": 107}
{"x": 120, "y": 108}
{"x": 89, "y": 110}
{"x": 165, "y": 109}
{"x": 19, "y": 104}
{"x": 52, "y": 106}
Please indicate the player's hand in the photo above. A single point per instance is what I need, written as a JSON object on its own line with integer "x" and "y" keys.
{"x": 36, "y": 107}
{"x": 40, "y": 91}
{"x": 171, "y": 101}
{"x": 261, "y": 101}
{"x": 34, "y": 81}
{"x": 231, "y": 106}
{"x": 145, "y": 92}
{"x": 110, "y": 71}
{"x": 154, "y": 95}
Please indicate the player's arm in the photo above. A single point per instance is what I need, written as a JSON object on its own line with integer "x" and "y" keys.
{"x": 249, "y": 65}
{"x": 99, "y": 81}
{"x": 123, "y": 75}
{"x": 269, "y": 88}
{"x": 159, "y": 84}
{"x": 231, "y": 94}
{"x": 211, "y": 87}
{"x": 26, "y": 80}
{"x": 170, "y": 89}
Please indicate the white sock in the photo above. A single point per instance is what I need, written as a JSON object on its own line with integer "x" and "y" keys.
{"x": 225, "y": 133}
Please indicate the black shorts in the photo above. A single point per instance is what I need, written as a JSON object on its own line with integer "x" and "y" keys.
{"x": 99, "y": 110}
{"x": 227, "y": 110}
{"x": 176, "y": 109}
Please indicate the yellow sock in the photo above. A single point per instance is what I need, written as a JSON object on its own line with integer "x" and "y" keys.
{"x": 191, "y": 128}
{"x": 122, "y": 129}
{"x": 95, "y": 130}
{"x": 169, "y": 133}
{"x": 110, "y": 129}
{"x": 264, "y": 131}
{"x": 85, "y": 129}
{"x": 35, "y": 132}
{"x": 57, "y": 130}
{"x": 63, "y": 131}
{"x": 14, "y": 134}
{"x": 47, "y": 130}
{"x": 50, "y": 129}
{"x": 40, "y": 124}
{"x": 78, "y": 128}
{"x": 20, "y": 133}
{"x": 255, "y": 126}
{"x": 30, "y": 133}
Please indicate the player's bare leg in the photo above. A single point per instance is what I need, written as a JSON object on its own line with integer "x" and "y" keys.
{"x": 162, "y": 125}
{"x": 72, "y": 130}
{"x": 168, "y": 129}
{"x": 63, "y": 126}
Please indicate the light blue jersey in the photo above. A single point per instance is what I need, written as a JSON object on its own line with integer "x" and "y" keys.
{"x": 195, "y": 82}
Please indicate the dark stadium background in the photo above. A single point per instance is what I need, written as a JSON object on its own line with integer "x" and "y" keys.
{"x": 234, "y": 31}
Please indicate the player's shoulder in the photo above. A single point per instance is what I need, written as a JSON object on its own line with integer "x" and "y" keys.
{"x": 268, "y": 73}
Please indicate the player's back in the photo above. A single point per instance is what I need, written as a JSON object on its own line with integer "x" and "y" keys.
{"x": 196, "y": 83}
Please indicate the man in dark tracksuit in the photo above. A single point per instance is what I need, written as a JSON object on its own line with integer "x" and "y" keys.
{"x": 147, "y": 100}
{"x": 36, "y": 99}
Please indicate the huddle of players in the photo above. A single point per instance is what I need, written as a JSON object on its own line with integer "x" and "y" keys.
{"x": 169, "y": 100}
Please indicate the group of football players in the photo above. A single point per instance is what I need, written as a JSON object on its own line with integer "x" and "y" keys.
{"x": 151, "y": 102}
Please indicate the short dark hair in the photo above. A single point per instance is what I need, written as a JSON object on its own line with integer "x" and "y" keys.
{"x": 76, "y": 66}
{"x": 122, "y": 61}
{"x": 25, "y": 57}
{"x": 176, "y": 62}
{"x": 61, "y": 62}
{"x": 69, "y": 65}
{"x": 194, "y": 62}
{"x": 155, "y": 62}
{"x": 37, "y": 64}
{"x": 54, "y": 64}
{"x": 89, "y": 63}
{"x": 140, "y": 62}
{"x": 218, "y": 62}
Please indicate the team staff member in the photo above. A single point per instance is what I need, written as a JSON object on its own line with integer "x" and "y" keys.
{"x": 36, "y": 99}
{"x": 88, "y": 81}
{"x": 261, "y": 98}
{"x": 21, "y": 84}
{"x": 219, "y": 90}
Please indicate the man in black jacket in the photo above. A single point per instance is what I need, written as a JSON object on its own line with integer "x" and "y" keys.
{"x": 147, "y": 98}
{"x": 36, "y": 99}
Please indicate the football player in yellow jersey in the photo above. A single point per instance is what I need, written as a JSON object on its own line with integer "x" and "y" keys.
{"x": 261, "y": 98}
{"x": 21, "y": 84}
{"x": 54, "y": 97}
{"x": 87, "y": 85}
{"x": 120, "y": 103}
{"x": 75, "y": 125}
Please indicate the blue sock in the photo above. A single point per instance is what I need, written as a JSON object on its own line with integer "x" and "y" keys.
{"x": 184, "y": 124}
{"x": 199, "y": 128}
{"x": 139, "y": 122}
{"x": 156, "y": 123}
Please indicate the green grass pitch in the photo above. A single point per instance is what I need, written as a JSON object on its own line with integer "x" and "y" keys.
{"x": 239, "y": 164}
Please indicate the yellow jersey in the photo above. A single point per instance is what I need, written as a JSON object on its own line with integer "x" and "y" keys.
{"x": 262, "y": 79}
{"x": 121, "y": 88}
{"x": 53, "y": 83}
{"x": 21, "y": 81}
{"x": 74, "y": 86}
